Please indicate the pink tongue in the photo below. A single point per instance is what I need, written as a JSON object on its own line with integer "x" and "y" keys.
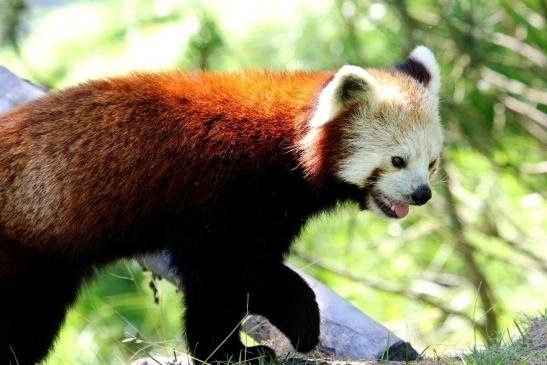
{"x": 401, "y": 210}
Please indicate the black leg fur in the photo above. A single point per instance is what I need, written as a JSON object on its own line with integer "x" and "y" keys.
{"x": 288, "y": 302}
{"x": 230, "y": 259}
{"x": 216, "y": 298}
{"x": 32, "y": 309}
{"x": 219, "y": 293}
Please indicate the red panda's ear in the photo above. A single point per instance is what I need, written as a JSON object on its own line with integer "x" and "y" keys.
{"x": 422, "y": 66}
{"x": 349, "y": 85}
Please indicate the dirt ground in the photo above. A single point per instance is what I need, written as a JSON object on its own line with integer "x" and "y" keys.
{"x": 537, "y": 341}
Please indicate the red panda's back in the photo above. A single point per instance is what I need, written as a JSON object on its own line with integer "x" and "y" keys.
{"x": 96, "y": 158}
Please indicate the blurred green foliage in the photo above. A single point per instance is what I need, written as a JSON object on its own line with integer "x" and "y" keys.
{"x": 450, "y": 275}
{"x": 11, "y": 13}
{"x": 205, "y": 45}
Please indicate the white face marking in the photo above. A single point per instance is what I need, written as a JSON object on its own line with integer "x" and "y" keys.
{"x": 418, "y": 148}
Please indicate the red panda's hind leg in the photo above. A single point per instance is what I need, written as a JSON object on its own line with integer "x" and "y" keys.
{"x": 32, "y": 308}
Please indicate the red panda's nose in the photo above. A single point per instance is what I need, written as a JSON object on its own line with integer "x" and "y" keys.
{"x": 421, "y": 195}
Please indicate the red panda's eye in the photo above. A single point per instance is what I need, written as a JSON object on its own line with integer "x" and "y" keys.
{"x": 432, "y": 163}
{"x": 398, "y": 162}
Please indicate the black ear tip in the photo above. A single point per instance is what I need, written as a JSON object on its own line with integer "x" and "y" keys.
{"x": 416, "y": 70}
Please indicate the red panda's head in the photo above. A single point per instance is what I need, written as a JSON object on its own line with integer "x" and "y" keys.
{"x": 379, "y": 130}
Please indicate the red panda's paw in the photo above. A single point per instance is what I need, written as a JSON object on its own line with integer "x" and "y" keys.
{"x": 308, "y": 336}
{"x": 289, "y": 304}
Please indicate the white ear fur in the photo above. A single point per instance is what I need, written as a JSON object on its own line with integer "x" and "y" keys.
{"x": 423, "y": 55}
{"x": 350, "y": 84}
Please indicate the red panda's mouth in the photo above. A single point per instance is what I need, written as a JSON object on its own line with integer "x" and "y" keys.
{"x": 389, "y": 206}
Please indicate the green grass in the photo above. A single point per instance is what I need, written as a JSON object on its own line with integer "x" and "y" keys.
{"x": 514, "y": 349}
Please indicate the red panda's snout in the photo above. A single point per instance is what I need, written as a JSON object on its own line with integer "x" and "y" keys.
{"x": 401, "y": 186}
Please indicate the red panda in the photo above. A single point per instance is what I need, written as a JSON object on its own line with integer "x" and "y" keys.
{"x": 223, "y": 170}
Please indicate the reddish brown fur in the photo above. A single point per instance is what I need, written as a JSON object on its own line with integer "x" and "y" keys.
{"x": 369, "y": 185}
{"x": 105, "y": 145}
{"x": 190, "y": 162}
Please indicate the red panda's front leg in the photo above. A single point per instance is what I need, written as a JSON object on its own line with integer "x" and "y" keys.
{"x": 219, "y": 292}
{"x": 217, "y": 300}
{"x": 287, "y": 301}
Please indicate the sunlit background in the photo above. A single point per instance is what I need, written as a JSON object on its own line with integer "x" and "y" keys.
{"x": 448, "y": 277}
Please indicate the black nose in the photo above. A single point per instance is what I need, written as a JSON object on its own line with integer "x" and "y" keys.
{"x": 421, "y": 195}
